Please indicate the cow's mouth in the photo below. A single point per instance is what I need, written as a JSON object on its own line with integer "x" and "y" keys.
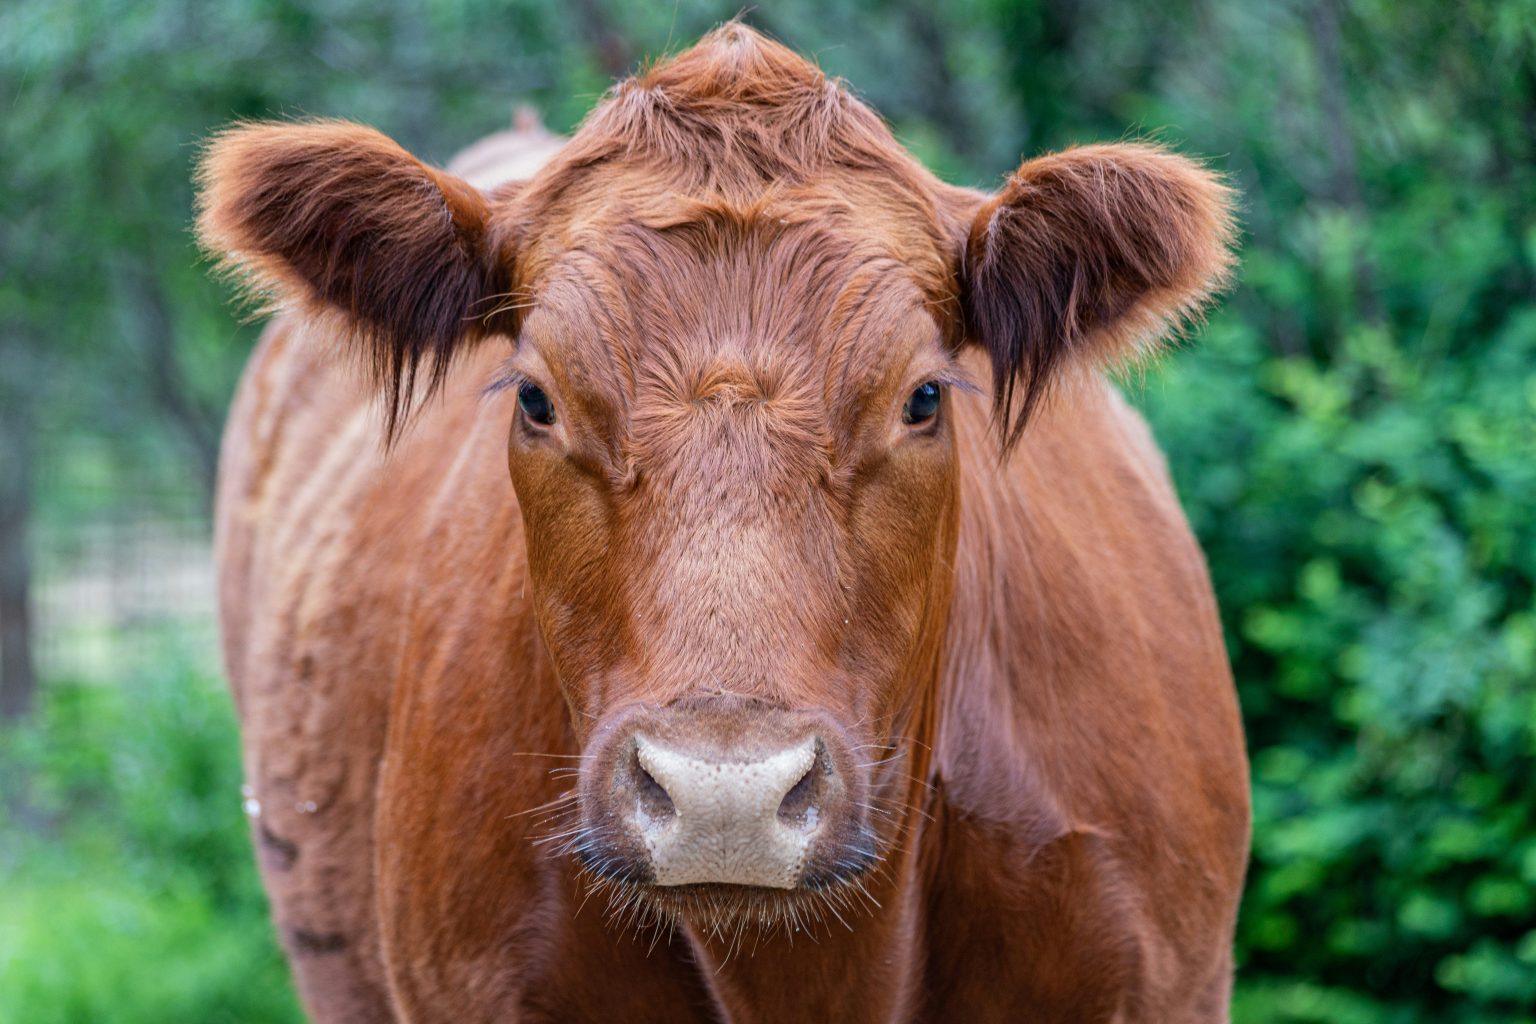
{"x": 737, "y": 915}
{"x": 849, "y": 869}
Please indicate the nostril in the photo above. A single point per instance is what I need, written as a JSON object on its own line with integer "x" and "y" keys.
{"x": 651, "y": 797}
{"x": 801, "y": 806}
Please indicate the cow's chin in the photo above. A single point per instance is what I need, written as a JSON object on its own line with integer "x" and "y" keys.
{"x": 737, "y": 916}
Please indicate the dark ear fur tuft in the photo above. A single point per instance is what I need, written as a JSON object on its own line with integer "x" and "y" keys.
{"x": 1086, "y": 258}
{"x": 339, "y": 221}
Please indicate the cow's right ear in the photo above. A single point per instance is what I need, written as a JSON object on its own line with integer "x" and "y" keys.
{"x": 334, "y": 218}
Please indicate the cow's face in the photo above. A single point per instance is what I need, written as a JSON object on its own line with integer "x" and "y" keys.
{"x": 736, "y": 464}
{"x": 734, "y": 308}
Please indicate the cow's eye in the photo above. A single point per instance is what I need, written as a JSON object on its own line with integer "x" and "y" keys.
{"x": 923, "y": 405}
{"x": 535, "y": 404}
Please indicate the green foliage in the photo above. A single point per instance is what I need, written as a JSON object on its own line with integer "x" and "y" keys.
{"x": 130, "y": 891}
{"x": 1355, "y": 441}
{"x": 1361, "y": 520}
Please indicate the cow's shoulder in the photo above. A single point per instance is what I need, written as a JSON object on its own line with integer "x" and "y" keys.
{"x": 1090, "y": 738}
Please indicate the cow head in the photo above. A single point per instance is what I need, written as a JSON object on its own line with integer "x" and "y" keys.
{"x": 737, "y": 314}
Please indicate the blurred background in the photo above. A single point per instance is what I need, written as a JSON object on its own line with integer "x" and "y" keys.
{"x": 1353, "y": 435}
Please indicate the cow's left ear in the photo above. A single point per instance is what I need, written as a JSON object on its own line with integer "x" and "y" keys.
{"x": 1088, "y": 257}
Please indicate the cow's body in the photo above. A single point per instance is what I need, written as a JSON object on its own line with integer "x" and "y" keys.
{"x": 1071, "y": 849}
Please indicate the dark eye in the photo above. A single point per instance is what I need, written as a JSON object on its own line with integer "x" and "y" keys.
{"x": 923, "y": 405}
{"x": 535, "y": 403}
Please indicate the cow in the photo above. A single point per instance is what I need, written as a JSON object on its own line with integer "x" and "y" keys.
{"x": 729, "y": 588}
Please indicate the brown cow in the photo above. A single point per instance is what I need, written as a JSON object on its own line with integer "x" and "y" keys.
{"x": 763, "y": 688}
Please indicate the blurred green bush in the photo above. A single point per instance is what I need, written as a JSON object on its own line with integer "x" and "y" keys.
{"x": 126, "y": 879}
{"x": 1354, "y": 438}
{"x": 1368, "y": 524}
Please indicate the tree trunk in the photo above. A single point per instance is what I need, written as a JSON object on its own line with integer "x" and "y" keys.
{"x": 1344, "y": 188}
{"x": 18, "y": 678}
{"x": 198, "y": 425}
{"x": 940, "y": 98}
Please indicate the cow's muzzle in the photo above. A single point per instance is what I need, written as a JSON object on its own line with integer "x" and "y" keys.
{"x": 721, "y": 791}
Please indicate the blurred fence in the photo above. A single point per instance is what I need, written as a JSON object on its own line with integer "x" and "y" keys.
{"x": 116, "y": 589}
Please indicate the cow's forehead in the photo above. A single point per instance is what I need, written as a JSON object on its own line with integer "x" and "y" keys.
{"x": 731, "y": 309}
{"x": 758, "y": 349}
{"x": 732, "y": 140}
